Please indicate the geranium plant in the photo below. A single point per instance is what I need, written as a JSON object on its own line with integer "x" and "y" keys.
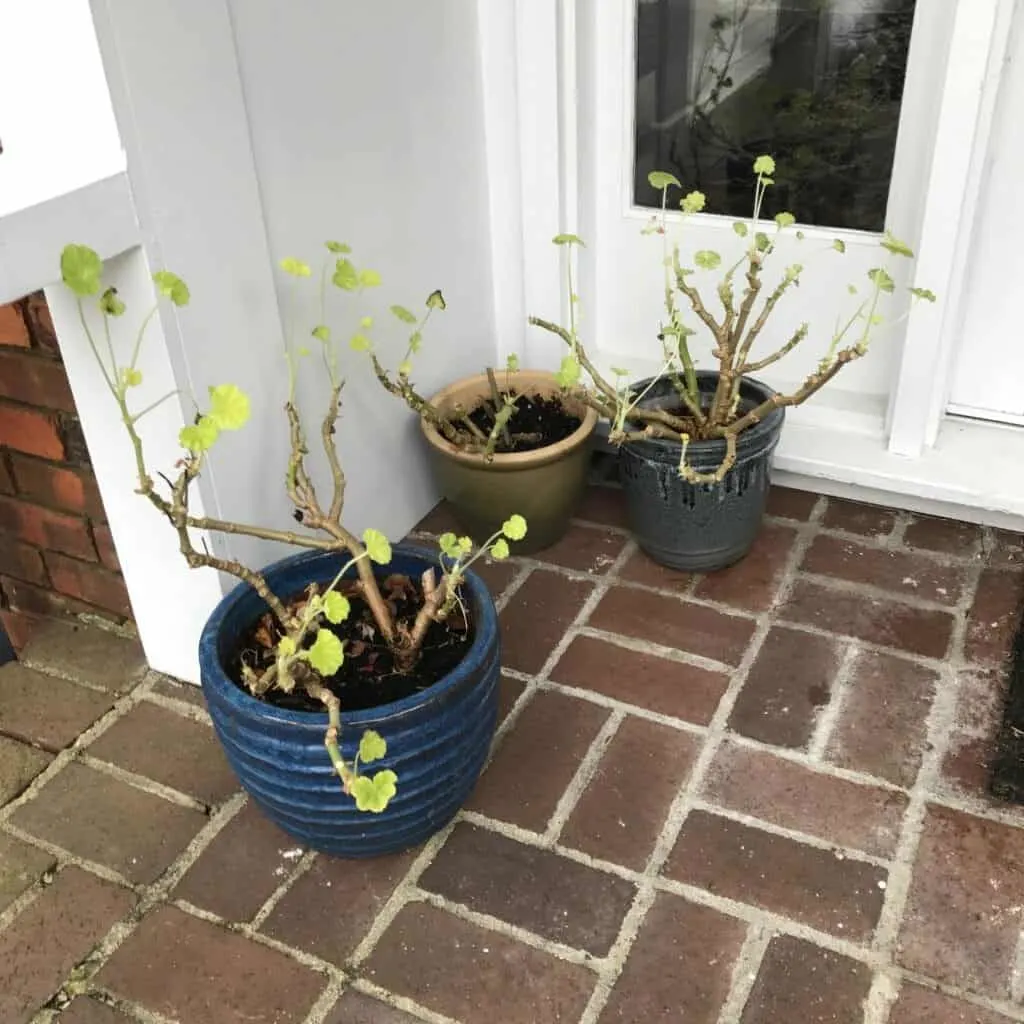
{"x": 733, "y": 332}
{"x": 306, "y": 653}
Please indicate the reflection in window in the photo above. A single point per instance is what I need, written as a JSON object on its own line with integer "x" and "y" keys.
{"x": 815, "y": 83}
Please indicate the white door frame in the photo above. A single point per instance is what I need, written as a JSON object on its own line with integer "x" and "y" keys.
{"x": 533, "y": 109}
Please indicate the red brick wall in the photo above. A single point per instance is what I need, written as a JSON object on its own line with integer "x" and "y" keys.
{"x": 56, "y": 553}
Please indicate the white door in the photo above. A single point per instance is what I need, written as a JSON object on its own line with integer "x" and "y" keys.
{"x": 700, "y": 88}
{"x": 989, "y": 374}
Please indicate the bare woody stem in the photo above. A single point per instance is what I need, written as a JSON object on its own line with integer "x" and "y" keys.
{"x": 319, "y": 692}
{"x": 401, "y": 388}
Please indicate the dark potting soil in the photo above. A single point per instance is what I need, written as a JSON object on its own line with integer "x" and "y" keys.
{"x": 1006, "y": 781}
{"x": 368, "y": 677}
{"x": 538, "y": 421}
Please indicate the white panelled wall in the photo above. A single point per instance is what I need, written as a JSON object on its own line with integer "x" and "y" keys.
{"x": 447, "y": 143}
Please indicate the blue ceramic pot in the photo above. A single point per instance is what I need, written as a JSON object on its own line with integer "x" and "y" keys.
{"x": 437, "y": 740}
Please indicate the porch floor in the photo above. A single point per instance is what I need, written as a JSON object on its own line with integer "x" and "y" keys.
{"x": 753, "y": 797}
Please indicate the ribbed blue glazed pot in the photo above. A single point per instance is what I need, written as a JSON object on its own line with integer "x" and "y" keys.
{"x": 437, "y": 740}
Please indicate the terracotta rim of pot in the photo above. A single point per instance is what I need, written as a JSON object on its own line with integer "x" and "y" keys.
{"x": 469, "y": 389}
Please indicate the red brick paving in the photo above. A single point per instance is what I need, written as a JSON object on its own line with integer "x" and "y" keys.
{"x": 735, "y": 846}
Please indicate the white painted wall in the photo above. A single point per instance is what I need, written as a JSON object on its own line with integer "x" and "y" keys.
{"x": 367, "y": 127}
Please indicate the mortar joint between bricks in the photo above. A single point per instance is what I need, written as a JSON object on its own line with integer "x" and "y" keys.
{"x": 401, "y": 1003}
{"x": 828, "y": 715}
{"x": 304, "y": 864}
{"x": 744, "y": 972}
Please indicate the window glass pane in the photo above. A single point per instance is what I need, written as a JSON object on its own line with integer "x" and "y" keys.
{"x": 815, "y": 83}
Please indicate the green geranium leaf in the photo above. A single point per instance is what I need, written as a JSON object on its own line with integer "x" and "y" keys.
{"x": 366, "y": 322}
{"x": 794, "y": 271}
{"x": 619, "y": 371}
{"x": 740, "y": 228}
{"x": 199, "y": 437}
{"x": 693, "y": 202}
{"x": 374, "y": 794}
{"x": 229, "y": 407}
{"x": 465, "y": 546}
{"x": 403, "y": 314}
{"x": 327, "y": 654}
{"x": 130, "y": 377}
{"x": 369, "y": 278}
{"x": 336, "y": 607}
{"x": 322, "y": 332}
{"x": 880, "y": 278}
{"x": 435, "y": 300}
{"x": 662, "y": 180}
{"x": 372, "y": 747}
{"x": 894, "y": 245}
{"x": 377, "y": 546}
{"x": 924, "y": 293}
{"x": 404, "y": 368}
{"x": 338, "y": 247}
{"x": 707, "y": 259}
{"x": 568, "y": 372}
{"x": 799, "y": 236}
{"x": 171, "y": 287}
{"x": 839, "y": 245}
{"x": 286, "y": 647}
{"x": 110, "y": 303}
{"x": 499, "y": 549}
{"x": 764, "y": 165}
{"x": 785, "y": 220}
{"x": 81, "y": 269}
{"x": 415, "y": 341}
{"x": 449, "y": 545}
{"x": 762, "y": 242}
{"x": 302, "y": 352}
{"x": 852, "y": 289}
{"x": 512, "y": 363}
{"x": 567, "y": 239}
{"x": 345, "y": 275}
{"x": 297, "y": 268}
{"x": 514, "y": 527}
{"x": 359, "y": 343}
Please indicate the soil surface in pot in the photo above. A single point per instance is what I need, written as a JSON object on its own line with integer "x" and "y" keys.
{"x": 368, "y": 677}
{"x": 539, "y": 421}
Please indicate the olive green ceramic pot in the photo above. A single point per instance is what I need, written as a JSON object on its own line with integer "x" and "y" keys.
{"x": 544, "y": 486}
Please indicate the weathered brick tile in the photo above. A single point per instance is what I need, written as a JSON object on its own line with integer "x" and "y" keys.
{"x": 789, "y": 795}
{"x": 917, "y": 1005}
{"x": 45, "y": 710}
{"x": 805, "y": 983}
{"x": 553, "y": 730}
{"x": 180, "y": 691}
{"x": 191, "y": 970}
{"x": 788, "y": 684}
{"x": 88, "y": 1011}
{"x": 964, "y": 916}
{"x": 1007, "y": 550}
{"x": 51, "y": 935}
{"x": 21, "y": 865}
{"x": 785, "y": 503}
{"x": 585, "y": 549}
{"x": 994, "y": 617}
{"x": 331, "y": 907}
{"x": 95, "y": 656}
{"x": 103, "y": 819}
{"x": 19, "y": 765}
{"x": 440, "y": 519}
{"x": 537, "y": 616}
{"x": 236, "y": 874}
{"x": 657, "y": 684}
{"x": 900, "y": 572}
{"x": 673, "y": 623}
{"x": 753, "y": 582}
{"x": 141, "y": 740}
{"x": 509, "y": 691}
{"x": 947, "y": 536}
{"x": 473, "y": 974}
{"x": 622, "y": 810}
{"x": 355, "y": 1008}
{"x": 496, "y": 575}
{"x": 641, "y": 569}
{"x": 538, "y": 890}
{"x": 882, "y": 728}
{"x": 807, "y": 884}
{"x": 604, "y": 505}
{"x": 867, "y": 520}
{"x": 971, "y": 749}
{"x": 679, "y": 968}
{"x": 876, "y": 620}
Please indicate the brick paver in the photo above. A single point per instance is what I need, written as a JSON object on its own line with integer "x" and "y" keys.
{"x": 751, "y": 797}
